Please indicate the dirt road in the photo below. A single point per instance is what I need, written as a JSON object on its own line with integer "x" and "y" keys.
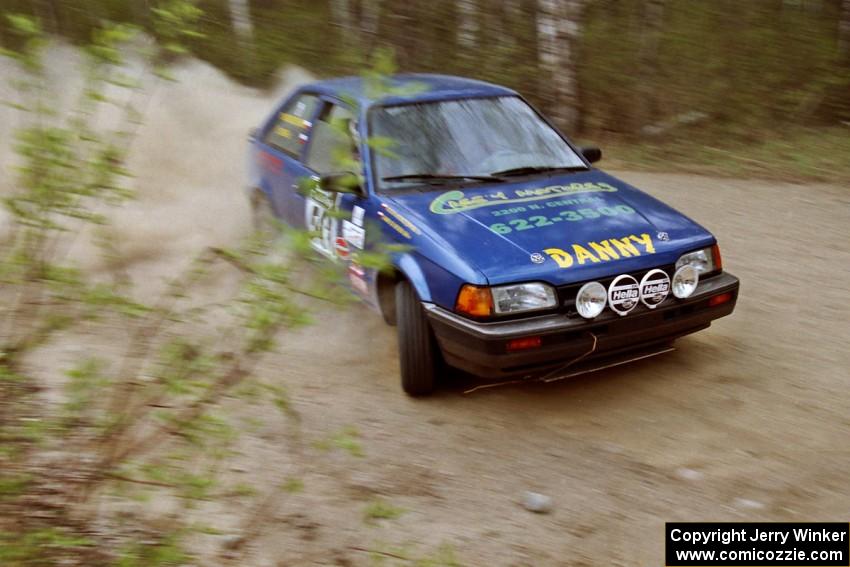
{"x": 745, "y": 421}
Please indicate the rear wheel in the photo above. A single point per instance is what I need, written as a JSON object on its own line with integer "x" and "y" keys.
{"x": 418, "y": 353}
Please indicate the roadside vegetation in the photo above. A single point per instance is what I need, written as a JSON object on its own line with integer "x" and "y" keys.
{"x": 722, "y": 87}
{"x": 90, "y": 459}
{"x": 800, "y": 155}
{"x": 120, "y": 459}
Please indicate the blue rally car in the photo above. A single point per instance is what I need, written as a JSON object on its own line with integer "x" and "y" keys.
{"x": 522, "y": 260}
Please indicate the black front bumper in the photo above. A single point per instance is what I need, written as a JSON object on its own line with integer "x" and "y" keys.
{"x": 482, "y": 348}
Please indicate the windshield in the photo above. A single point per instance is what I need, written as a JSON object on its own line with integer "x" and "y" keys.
{"x": 476, "y": 137}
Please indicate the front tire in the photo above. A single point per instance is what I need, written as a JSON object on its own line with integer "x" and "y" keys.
{"x": 417, "y": 347}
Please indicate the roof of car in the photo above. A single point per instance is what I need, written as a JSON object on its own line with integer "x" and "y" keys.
{"x": 409, "y": 87}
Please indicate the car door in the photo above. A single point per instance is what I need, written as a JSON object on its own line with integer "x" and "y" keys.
{"x": 282, "y": 148}
{"x": 337, "y": 219}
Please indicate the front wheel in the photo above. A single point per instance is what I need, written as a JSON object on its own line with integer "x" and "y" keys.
{"x": 417, "y": 347}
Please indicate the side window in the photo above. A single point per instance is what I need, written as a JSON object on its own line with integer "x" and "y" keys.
{"x": 334, "y": 145}
{"x": 292, "y": 127}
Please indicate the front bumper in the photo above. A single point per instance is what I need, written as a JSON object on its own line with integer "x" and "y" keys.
{"x": 482, "y": 348}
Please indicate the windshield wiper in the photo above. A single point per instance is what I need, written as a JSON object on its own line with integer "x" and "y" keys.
{"x": 531, "y": 169}
{"x": 436, "y": 177}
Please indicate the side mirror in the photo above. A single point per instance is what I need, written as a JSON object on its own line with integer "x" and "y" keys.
{"x": 344, "y": 182}
{"x": 591, "y": 153}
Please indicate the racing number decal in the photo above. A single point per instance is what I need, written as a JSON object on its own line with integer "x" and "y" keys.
{"x": 324, "y": 226}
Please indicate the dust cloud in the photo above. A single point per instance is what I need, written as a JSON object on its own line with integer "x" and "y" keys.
{"x": 187, "y": 159}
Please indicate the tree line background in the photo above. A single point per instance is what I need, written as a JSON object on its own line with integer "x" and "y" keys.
{"x": 654, "y": 70}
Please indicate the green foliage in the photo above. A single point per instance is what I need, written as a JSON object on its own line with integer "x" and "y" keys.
{"x": 13, "y": 485}
{"x": 443, "y": 556}
{"x": 175, "y": 22}
{"x": 86, "y": 381}
{"x": 148, "y": 423}
{"x": 145, "y": 422}
{"x": 28, "y": 30}
{"x": 292, "y": 485}
{"x": 347, "y": 439}
{"x": 800, "y": 155}
{"x": 38, "y": 547}
{"x": 159, "y": 554}
{"x": 750, "y": 71}
{"x": 381, "y": 510}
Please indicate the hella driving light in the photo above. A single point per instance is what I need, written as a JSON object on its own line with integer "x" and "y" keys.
{"x": 523, "y": 297}
{"x": 702, "y": 260}
{"x": 623, "y": 294}
{"x": 591, "y": 300}
{"x": 654, "y": 288}
{"x": 685, "y": 281}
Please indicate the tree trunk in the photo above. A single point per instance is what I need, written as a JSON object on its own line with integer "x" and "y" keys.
{"x": 342, "y": 20}
{"x": 467, "y": 25}
{"x": 370, "y": 12}
{"x": 240, "y": 18}
{"x": 558, "y": 27}
{"x": 646, "y": 110}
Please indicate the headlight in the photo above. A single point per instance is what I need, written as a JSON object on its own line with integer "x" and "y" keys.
{"x": 523, "y": 297}
{"x": 705, "y": 260}
{"x": 685, "y": 281}
{"x": 591, "y": 299}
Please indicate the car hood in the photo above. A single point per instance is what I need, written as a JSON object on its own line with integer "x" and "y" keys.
{"x": 561, "y": 229}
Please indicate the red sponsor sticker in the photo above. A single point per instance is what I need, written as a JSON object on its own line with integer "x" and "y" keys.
{"x": 341, "y": 247}
{"x": 271, "y": 162}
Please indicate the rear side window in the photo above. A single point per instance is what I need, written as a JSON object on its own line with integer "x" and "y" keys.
{"x": 291, "y": 129}
{"x": 334, "y": 147}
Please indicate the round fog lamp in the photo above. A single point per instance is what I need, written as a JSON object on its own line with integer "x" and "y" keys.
{"x": 591, "y": 300}
{"x": 685, "y": 281}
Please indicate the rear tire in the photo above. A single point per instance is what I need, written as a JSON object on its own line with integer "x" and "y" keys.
{"x": 417, "y": 347}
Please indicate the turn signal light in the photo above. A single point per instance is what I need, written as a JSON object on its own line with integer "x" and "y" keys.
{"x": 524, "y": 343}
{"x": 474, "y": 301}
{"x": 715, "y": 255}
{"x": 720, "y": 299}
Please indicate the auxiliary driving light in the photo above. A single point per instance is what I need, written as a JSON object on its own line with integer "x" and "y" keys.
{"x": 623, "y": 294}
{"x": 685, "y": 281}
{"x": 591, "y": 300}
{"x": 654, "y": 288}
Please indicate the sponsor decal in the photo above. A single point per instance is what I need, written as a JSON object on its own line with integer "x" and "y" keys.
{"x": 341, "y": 247}
{"x": 355, "y": 235}
{"x": 574, "y": 202}
{"x": 456, "y": 201}
{"x": 271, "y": 162}
{"x": 654, "y": 287}
{"x": 324, "y": 226}
{"x": 538, "y": 258}
{"x": 569, "y": 215}
{"x": 357, "y": 216}
{"x": 401, "y": 219}
{"x": 394, "y": 225}
{"x": 623, "y": 294}
{"x": 603, "y": 251}
{"x": 356, "y": 269}
{"x": 663, "y": 236}
{"x": 294, "y": 120}
{"x": 357, "y": 277}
